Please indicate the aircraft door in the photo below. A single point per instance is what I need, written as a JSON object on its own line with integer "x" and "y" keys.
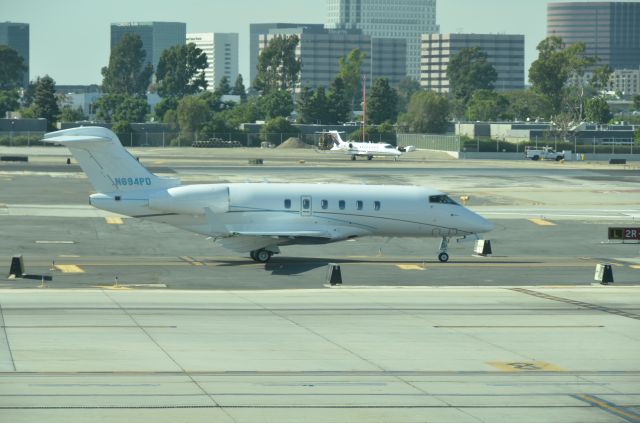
{"x": 305, "y": 205}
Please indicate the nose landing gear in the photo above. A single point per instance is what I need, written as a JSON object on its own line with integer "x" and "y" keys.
{"x": 443, "y": 256}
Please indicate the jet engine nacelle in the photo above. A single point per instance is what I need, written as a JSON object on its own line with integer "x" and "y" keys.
{"x": 191, "y": 199}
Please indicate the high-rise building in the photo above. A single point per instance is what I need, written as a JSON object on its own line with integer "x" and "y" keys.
{"x": 156, "y": 36}
{"x": 16, "y": 36}
{"x": 610, "y": 30}
{"x": 222, "y": 55}
{"x": 258, "y": 29}
{"x": 320, "y": 50}
{"x": 407, "y": 19}
{"x": 505, "y": 53}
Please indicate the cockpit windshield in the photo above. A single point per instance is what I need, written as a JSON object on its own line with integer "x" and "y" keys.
{"x": 441, "y": 199}
{"x": 388, "y": 146}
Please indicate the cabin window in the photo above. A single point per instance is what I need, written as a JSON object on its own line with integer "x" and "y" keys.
{"x": 306, "y": 203}
{"x": 359, "y": 204}
{"x": 441, "y": 199}
{"x": 376, "y": 205}
{"x": 117, "y": 198}
{"x": 341, "y": 204}
{"x": 324, "y": 204}
{"x": 287, "y": 204}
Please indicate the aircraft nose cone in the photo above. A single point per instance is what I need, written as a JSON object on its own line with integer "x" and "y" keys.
{"x": 483, "y": 225}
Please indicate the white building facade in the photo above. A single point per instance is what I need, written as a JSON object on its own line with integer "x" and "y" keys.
{"x": 505, "y": 52}
{"x": 222, "y": 56}
{"x": 407, "y": 19}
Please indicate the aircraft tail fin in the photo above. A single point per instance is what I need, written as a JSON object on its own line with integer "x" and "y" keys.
{"x": 108, "y": 165}
{"x": 337, "y": 139}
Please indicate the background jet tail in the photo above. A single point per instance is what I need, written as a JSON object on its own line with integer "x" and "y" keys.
{"x": 108, "y": 165}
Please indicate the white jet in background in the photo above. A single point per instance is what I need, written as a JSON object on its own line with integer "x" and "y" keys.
{"x": 259, "y": 217}
{"x": 365, "y": 149}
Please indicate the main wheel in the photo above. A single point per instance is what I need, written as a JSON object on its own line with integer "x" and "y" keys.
{"x": 353, "y": 157}
{"x": 369, "y": 157}
{"x": 263, "y": 256}
{"x": 252, "y": 254}
{"x": 443, "y": 257}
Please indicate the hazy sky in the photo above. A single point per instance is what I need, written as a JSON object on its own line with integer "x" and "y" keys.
{"x": 70, "y": 38}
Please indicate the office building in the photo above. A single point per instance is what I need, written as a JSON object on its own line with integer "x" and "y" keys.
{"x": 624, "y": 81}
{"x": 505, "y": 53}
{"x": 156, "y": 36}
{"x": 222, "y": 56}
{"x": 320, "y": 50}
{"x": 262, "y": 29}
{"x": 16, "y": 36}
{"x": 407, "y": 19}
{"x": 610, "y": 30}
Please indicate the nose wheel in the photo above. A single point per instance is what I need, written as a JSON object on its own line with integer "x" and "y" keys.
{"x": 443, "y": 256}
{"x": 261, "y": 256}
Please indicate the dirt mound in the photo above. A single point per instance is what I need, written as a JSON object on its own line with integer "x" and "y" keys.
{"x": 294, "y": 143}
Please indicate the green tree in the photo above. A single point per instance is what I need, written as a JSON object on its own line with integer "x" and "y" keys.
{"x": 486, "y": 105}
{"x": 597, "y": 110}
{"x": 239, "y": 88}
{"x": 313, "y": 106}
{"x": 193, "y": 112}
{"x": 350, "y": 71}
{"x": 69, "y": 114}
{"x": 276, "y": 103}
{"x": 45, "y": 104}
{"x": 8, "y": 101}
{"x": 278, "y": 67}
{"x": 555, "y": 66}
{"x": 527, "y": 105}
{"x": 121, "y": 108}
{"x": 636, "y": 102}
{"x": 277, "y": 129}
{"x": 382, "y": 102}
{"x": 181, "y": 71}
{"x": 428, "y": 112}
{"x": 223, "y": 87}
{"x": 28, "y": 94}
{"x": 637, "y": 136}
{"x": 338, "y": 102}
{"x": 127, "y": 73}
{"x": 469, "y": 70}
{"x": 12, "y": 68}
{"x": 406, "y": 88}
{"x": 304, "y": 106}
{"x": 164, "y": 106}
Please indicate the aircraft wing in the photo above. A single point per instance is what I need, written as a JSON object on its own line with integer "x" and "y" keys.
{"x": 286, "y": 234}
{"x": 244, "y": 241}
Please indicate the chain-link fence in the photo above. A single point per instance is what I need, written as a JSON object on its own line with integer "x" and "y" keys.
{"x": 18, "y": 139}
{"x": 452, "y": 143}
{"x": 430, "y": 142}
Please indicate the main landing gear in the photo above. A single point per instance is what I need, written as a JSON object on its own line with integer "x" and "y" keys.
{"x": 261, "y": 255}
{"x": 443, "y": 256}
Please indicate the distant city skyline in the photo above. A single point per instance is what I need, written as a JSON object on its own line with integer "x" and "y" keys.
{"x": 70, "y": 38}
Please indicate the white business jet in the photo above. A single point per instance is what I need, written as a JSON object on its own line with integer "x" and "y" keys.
{"x": 365, "y": 149}
{"x": 259, "y": 217}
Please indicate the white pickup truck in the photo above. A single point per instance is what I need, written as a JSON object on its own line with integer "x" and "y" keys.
{"x": 542, "y": 153}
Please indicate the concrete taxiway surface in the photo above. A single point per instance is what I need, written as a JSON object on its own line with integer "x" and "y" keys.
{"x": 359, "y": 355}
{"x": 193, "y": 332}
{"x": 551, "y": 219}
